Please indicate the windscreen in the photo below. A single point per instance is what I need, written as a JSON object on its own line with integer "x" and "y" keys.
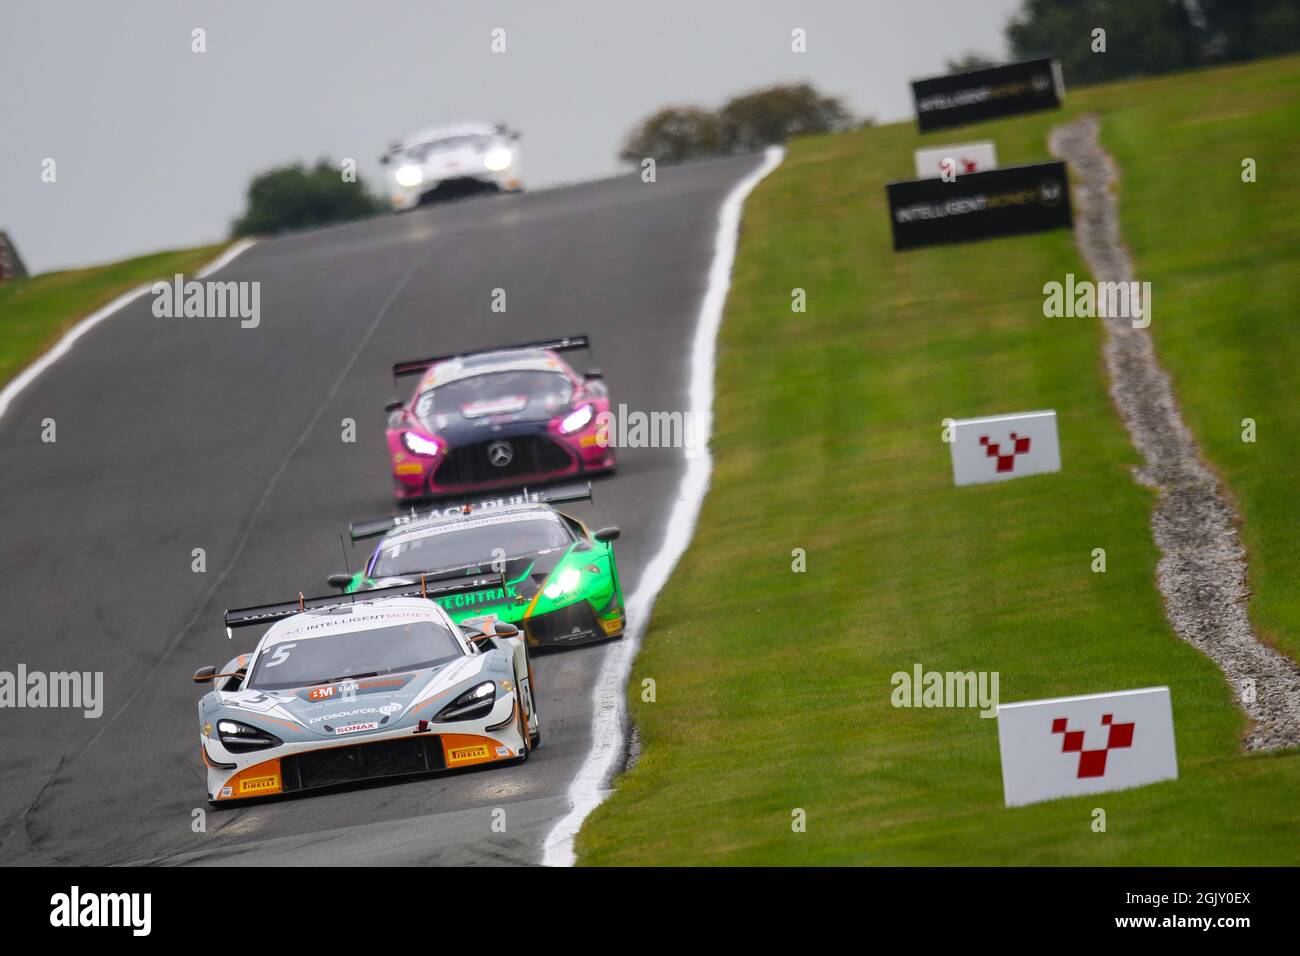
{"x": 470, "y": 545}
{"x": 334, "y": 657}
{"x": 521, "y": 392}
{"x": 422, "y": 151}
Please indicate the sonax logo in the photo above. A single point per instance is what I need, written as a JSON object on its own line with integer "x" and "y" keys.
{"x": 356, "y": 727}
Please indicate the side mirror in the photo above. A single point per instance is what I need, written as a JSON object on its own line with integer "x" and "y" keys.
{"x": 514, "y": 135}
{"x": 606, "y": 535}
{"x": 204, "y": 675}
{"x": 394, "y": 405}
{"x": 339, "y": 580}
{"x": 506, "y": 630}
{"x": 593, "y": 374}
{"x": 385, "y": 159}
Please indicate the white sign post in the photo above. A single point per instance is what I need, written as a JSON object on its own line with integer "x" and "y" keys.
{"x": 1076, "y": 745}
{"x": 1003, "y": 447}
{"x": 966, "y": 158}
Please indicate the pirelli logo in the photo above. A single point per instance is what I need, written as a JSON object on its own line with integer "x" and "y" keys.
{"x": 457, "y": 755}
{"x": 267, "y": 784}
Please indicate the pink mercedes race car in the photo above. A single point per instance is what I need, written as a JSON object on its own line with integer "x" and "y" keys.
{"x": 498, "y": 418}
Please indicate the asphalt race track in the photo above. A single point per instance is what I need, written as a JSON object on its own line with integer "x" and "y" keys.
{"x": 183, "y": 433}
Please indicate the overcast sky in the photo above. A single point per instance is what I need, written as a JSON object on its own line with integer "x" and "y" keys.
{"x": 154, "y": 144}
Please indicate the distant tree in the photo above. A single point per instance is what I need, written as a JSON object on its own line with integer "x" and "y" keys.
{"x": 1246, "y": 29}
{"x": 1151, "y": 36}
{"x": 773, "y": 115}
{"x": 970, "y": 60}
{"x": 294, "y": 197}
{"x": 745, "y": 123}
{"x": 673, "y": 135}
{"x": 1142, "y": 37}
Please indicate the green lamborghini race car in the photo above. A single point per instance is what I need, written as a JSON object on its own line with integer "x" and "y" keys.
{"x": 560, "y": 584}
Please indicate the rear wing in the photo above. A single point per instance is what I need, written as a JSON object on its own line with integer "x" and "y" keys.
{"x": 566, "y": 344}
{"x": 360, "y": 530}
{"x": 429, "y": 585}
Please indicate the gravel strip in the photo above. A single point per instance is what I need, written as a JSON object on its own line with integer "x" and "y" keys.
{"x": 1202, "y": 568}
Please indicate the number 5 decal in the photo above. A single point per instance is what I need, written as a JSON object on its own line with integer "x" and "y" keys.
{"x": 281, "y": 654}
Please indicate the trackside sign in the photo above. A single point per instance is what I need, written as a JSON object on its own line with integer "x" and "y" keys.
{"x": 1002, "y": 447}
{"x": 1076, "y": 745}
{"x": 959, "y": 98}
{"x": 953, "y": 161}
{"x": 999, "y": 202}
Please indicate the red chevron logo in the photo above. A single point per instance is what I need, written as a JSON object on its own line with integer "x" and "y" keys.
{"x": 1006, "y": 461}
{"x": 1092, "y": 763}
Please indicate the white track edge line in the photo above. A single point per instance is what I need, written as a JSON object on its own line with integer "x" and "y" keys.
{"x": 588, "y": 789}
{"x": 62, "y": 347}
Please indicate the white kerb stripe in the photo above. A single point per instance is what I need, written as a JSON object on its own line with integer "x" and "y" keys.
{"x": 607, "y": 722}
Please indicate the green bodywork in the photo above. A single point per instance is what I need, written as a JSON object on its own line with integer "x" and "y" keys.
{"x": 588, "y": 565}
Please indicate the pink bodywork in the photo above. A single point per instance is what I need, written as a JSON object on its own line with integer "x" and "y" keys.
{"x": 413, "y": 475}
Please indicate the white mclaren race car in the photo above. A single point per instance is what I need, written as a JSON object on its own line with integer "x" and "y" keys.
{"x": 452, "y": 161}
{"x": 380, "y": 684}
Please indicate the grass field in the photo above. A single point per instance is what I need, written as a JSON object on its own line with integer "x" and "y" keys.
{"x": 772, "y": 687}
{"x": 1226, "y": 267}
{"x": 35, "y": 312}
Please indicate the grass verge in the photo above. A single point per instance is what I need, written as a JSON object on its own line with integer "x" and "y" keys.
{"x": 35, "y": 312}
{"x": 772, "y": 687}
{"x": 1223, "y": 259}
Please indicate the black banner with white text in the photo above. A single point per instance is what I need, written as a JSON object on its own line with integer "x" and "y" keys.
{"x": 999, "y": 202}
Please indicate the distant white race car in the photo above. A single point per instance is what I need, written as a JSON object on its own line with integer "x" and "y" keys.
{"x": 452, "y": 161}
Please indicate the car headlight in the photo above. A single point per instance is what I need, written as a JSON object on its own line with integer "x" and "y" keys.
{"x": 474, "y": 703}
{"x": 240, "y": 738}
{"x": 565, "y": 583}
{"x": 408, "y": 176}
{"x": 418, "y": 445}
{"x": 578, "y": 418}
{"x": 497, "y": 159}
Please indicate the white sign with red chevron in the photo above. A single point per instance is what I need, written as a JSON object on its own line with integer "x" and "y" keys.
{"x": 1004, "y": 446}
{"x": 1076, "y": 745}
{"x": 954, "y": 161}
